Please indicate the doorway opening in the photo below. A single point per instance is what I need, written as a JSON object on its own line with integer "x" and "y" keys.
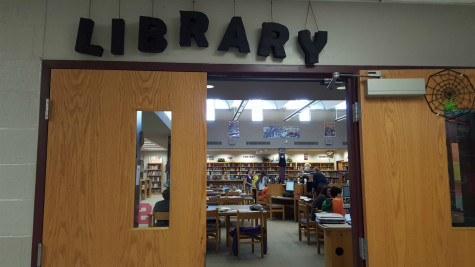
{"x": 252, "y": 123}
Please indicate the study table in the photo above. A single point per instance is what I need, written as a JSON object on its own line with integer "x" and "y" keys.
{"x": 233, "y": 212}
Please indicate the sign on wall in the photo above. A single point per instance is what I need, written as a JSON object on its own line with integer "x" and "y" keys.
{"x": 233, "y": 129}
{"x": 281, "y": 132}
{"x": 330, "y": 129}
{"x": 194, "y": 25}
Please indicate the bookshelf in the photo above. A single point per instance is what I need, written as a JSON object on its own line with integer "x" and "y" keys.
{"x": 145, "y": 188}
{"x": 294, "y": 168}
{"x": 154, "y": 173}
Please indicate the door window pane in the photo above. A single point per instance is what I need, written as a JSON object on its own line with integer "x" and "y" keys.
{"x": 152, "y": 181}
{"x": 460, "y": 134}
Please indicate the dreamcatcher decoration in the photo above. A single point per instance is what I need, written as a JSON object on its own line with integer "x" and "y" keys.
{"x": 450, "y": 94}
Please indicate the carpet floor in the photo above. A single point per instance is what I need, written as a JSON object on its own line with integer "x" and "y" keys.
{"x": 284, "y": 249}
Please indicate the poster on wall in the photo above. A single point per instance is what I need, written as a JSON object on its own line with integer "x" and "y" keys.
{"x": 233, "y": 129}
{"x": 329, "y": 129}
{"x": 281, "y": 132}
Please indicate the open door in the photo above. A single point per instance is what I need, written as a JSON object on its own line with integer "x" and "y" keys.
{"x": 405, "y": 182}
{"x": 90, "y": 176}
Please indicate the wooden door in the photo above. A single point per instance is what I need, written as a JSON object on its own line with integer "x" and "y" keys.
{"x": 405, "y": 182}
{"x": 90, "y": 177}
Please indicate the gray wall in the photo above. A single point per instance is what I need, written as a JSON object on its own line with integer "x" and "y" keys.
{"x": 359, "y": 34}
{"x": 21, "y": 46}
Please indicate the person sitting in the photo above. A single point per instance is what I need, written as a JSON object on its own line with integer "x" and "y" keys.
{"x": 335, "y": 203}
{"x": 323, "y": 194}
{"x": 163, "y": 206}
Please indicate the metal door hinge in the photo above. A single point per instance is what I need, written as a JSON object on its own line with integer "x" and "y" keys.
{"x": 47, "y": 107}
{"x": 356, "y": 111}
{"x": 363, "y": 249}
{"x": 40, "y": 251}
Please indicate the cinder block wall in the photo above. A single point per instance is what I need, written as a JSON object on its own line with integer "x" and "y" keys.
{"x": 21, "y": 47}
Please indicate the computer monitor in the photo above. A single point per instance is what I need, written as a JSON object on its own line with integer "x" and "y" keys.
{"x": 345, "y": 191}
{"x": 289, "y": 186}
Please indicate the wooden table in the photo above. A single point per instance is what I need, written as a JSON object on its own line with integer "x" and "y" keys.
{"x": 287, "y": 199}
{"x": 233, "y": 212}
{"x": 338, "y": 245}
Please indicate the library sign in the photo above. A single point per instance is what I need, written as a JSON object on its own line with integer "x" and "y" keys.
{"x": 193, "y": 25}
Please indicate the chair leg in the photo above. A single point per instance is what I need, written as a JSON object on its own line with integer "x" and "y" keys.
{"x": 262, "y": 247}
{"x": 270, "y": 214}
{"x": 308, "y": 235}
{"x": 239, "y": 249}
{"x": 300, "y": 233}
{"x": 283, "y": 214}
{"x": 217, "y": 243}
{"x": 252, "y": 239}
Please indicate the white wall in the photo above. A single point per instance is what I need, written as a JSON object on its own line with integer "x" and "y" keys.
{"x": 359, "y": 33}
{"x": 21, "y": 46}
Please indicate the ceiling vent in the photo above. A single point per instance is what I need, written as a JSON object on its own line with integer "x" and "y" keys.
{"x": 255, "y": 143}
{"x": 305, "y": 143}
{"x": 214, "y": 143}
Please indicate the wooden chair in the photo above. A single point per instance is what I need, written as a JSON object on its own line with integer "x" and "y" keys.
{"x": 157, "y": 216}
{"x": 258, "y": 220}
{"x": 273, "y": 208}
{"x": 234, "y": 201}
{"x": 306, "y": 224}
{"x": 213, "y": 231}
{"x": 216, "y": 201}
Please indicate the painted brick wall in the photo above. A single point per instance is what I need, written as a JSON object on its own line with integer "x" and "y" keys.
{"x": 21, "y": 48}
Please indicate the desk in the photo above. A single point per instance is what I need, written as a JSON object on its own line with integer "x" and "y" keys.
{"x": 287, "y": 199}
{"x": 338, "y": 245}
{"x": 233, "y": 212}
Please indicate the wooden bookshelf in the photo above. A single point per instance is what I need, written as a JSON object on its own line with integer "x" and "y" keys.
{"x": 154, "y": 173}
{"x": 294, "y": 168}
{"x": 237, "y": 170}
{"x": 145, "y": 188}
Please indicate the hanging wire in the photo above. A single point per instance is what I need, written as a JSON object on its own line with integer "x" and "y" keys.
{"x": 90, "y": 9}
{"x": 313, "y": 14}
{"x": 271, "y": 17}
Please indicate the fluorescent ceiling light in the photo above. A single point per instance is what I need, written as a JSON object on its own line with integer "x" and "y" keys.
{"x": 257, "y": 110}
{"x": 293, "y": 114}
{"x": 239, "y": 110}
{"x": 304, "y": 114}
{"x": 169, "y": 114}
{"x": 209, "y": 86}
{"x": 341, "y": 118}
{"x": 341, "y": 105}
{"x": 210, "y": 112}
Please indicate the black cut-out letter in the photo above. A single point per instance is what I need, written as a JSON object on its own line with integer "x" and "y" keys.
{"x": 118, "y": 36}
{"x": 312, "y": 49}
{"x": 193, "y": 25}
{"x": 235, "y": 36}
{"x": 151, "y": 35}
{"x": 83, "y": 39}
{"x": 273, "y": 38}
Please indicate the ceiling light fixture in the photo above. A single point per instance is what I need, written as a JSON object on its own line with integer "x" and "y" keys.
{"x": 209, "y": 86}
{"x": 300, "y": 110}
{"x": 341, "y": 118}
{"x": 239, "y": 110}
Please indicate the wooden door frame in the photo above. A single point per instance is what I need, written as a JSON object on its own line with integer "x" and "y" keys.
{"x": 220, "y": 70}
